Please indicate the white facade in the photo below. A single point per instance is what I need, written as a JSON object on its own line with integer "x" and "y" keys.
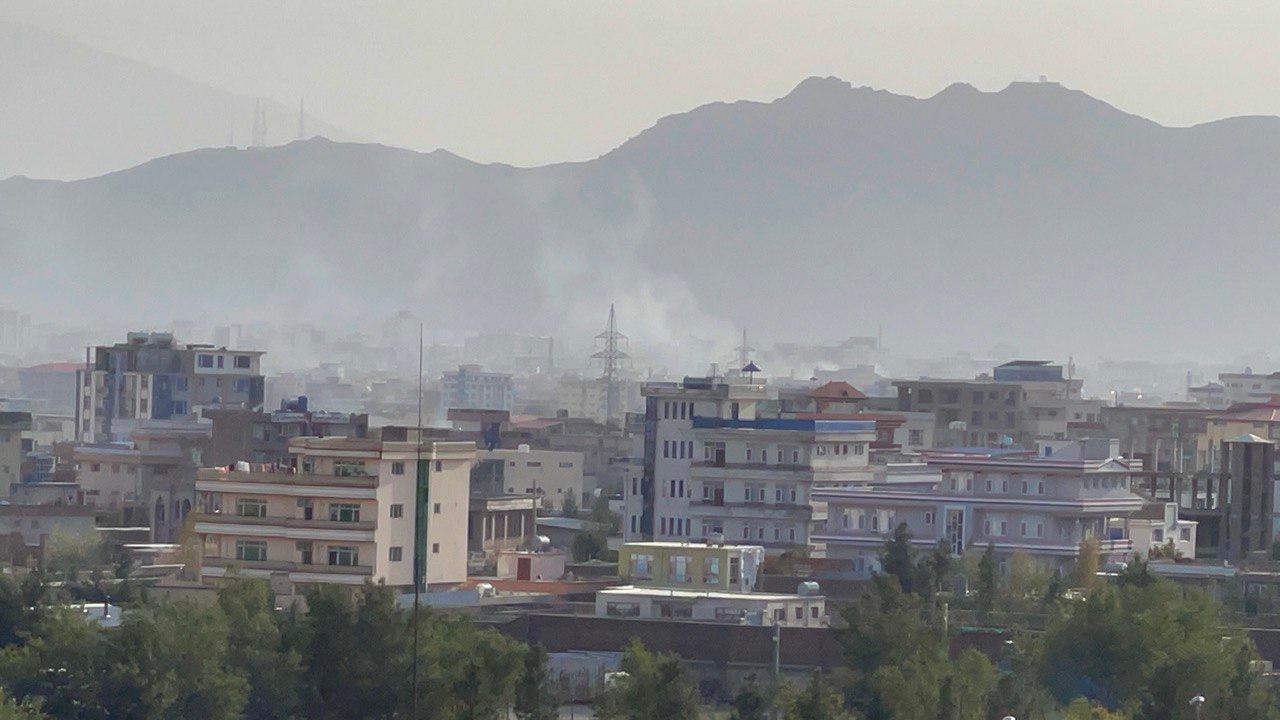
{"x": 1038, "y": 506}
{"x": 551, "y": 474}
{"x": 748, "y": 608}
{"x": 657, "y": 499}
{"x": 1159, "y": 528}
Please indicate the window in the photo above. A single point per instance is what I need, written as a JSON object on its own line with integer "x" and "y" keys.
{"x": 566, "y": 465}
{"x": 622, "y": 609}
{"x": 1157, "y": 535}
{"x": 397, "y": 468}
{"x": 397, "y": 510}
{"x": 344, "y": 512}
{"x": 251, "y": 550}
{"x": 242, "y": 362}
{"x": 343, "y": 555}
{"x": 439, "y": 465}
{"x": 221, "y": 359}
{"x": 1185, "y": 534}
{"x": 780, "y": 615}
{"x": 679, "y": 568}
{"x": 395, "y": 553}
{"x": 435, "y": 548}
{"x": 349, "y": 468}
{"x": 435, "y": 509}
{"x": 711, "y": 571}
{"x": 640, "y": 567}
{"x": 251, "y": 507}
{"x": 914, "y": 437}
{"x": 928, "y": 517}
{"x": 205, "y": 361}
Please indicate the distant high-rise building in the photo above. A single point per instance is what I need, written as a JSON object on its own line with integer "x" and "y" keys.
{"x": 472, "y": 388}
{"x": 152, "y": 377}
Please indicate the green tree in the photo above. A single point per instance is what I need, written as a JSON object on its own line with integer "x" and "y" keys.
{"x": 12, "y": 710}
{"x": 60, "y": 667}
{"x": 1145, "y": 648}
{"x": 898, "y": 559}
{"x": 818, "y": 699}
{"x": 534, "y": 696}
{"x": 940, "y": 566}
{"x": 590, "y": 545}
{"x": 256, "y": 650}
{"x": 654, "y": 686}
{"x": 987, "y": 580}
{"x": 607, "y": 519}
{"x": 1088, "y": 562}
{"x": 330, "y": 641}
{"x": 749, "y": 702}
{"x": 569, "y": 506}
{"x": 169, "y": 661}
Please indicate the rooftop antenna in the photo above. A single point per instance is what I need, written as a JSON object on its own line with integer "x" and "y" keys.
{"x": 611, "y": 356}
{"x": 302, "y": 118}
{"x": 419, "y": 567}
{"x": 744, "y": 350}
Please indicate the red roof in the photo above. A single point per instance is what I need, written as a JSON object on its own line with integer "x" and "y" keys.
{"x": 837, "y": 390}
{"x": 56, "y": 367}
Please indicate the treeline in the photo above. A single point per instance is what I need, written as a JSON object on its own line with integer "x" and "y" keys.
{"x": 347, "y": 657}
{"x": 1135, "y": 648}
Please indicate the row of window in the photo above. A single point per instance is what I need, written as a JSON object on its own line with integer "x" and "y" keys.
{"x": 677, "y": 410}
{"x": 241, "y": 362}
{"x": 337, "y": 555}
{"x": 677, "y": 449}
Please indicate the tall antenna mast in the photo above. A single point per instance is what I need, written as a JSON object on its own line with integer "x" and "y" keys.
{"x": 419, "y": 567}
{"x": 744, "y": 351}
{"x": 611, "y": 357}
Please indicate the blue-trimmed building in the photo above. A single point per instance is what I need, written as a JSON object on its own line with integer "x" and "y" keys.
{"x": 714, "y": 468}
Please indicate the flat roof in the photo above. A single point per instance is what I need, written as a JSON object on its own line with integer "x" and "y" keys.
{"x": 710, "y": 595}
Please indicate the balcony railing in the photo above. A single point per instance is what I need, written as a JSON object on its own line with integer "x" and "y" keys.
{"x": 285, "y": 476}
{"x": 289, "y": 522}
{"x": 286, "y": 566}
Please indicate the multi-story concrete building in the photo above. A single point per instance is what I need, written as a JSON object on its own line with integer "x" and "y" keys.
{"x": 471, "y": 387}
{"x": 977, "y": 413}
{"x": 1053, "y": 399}
{"x": 753, "y": 479}
{"x": 148, "y": 480}
{"x": 1041, "y": 506}
{"x": 1248, "y": 387}
{"x": 548, "y": 474}
{"x": 657, "y": 501}
{"x": 348, "y": 510}
{"x": 1167, "y": 439}
{"x": 151, "y": 377}
{"x": 258, "y": 437}
{"x": 712, "y": 582}
{"x": 12, "y": 426}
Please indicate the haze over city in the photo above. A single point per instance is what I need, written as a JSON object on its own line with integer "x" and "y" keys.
{"x": 639, "y": 361}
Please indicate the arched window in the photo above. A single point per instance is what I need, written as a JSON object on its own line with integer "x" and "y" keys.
{"x": 159, "y": 518}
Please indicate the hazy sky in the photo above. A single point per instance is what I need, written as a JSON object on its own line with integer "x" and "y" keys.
{"x": 535, "y": 82}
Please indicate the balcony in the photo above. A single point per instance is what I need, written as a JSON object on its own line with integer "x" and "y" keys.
{"x": 221, "y": 479}
{"x": 285, "y": 527}
{"x": 273, "y": 566}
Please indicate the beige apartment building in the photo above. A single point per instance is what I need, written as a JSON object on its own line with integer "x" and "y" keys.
{"x": 347, "y": 510}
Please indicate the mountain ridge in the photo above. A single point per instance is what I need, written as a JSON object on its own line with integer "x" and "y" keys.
{"x": 958, "y": 220}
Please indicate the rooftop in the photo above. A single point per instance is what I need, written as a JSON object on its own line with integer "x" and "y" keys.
{"x": 786, "y": 424}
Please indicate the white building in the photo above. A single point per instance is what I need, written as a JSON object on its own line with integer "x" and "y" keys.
{"x": 1157, "y": 526}
{"x": 552, "y": 475}
{"x": 348, "y": 511}
{"x": 1015, "y": 502}
{"x": 471, "y": 387}
{"x": 657, "y": 500}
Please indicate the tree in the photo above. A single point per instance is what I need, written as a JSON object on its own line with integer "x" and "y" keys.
{"x": 817, "y": 700}
{"x": 590, "y": 545}
{"x": 1144, "y": 648}
{"x": 750, "y": 702}
{"x": 987, "y": 579}
{"x": 534, "y": 698}
{"x": 602, "y": 516}
{"x": 169, "y": 661}
{"x": 653, "y": 686}
{"x": 940, "y": 565}
{"x": 257, "y": 651}
{"x": 1088, "y": 563}
{"x": 11, "y": 710}
{"x": 898, "y": 559}
{"x": 1029, "y": 580}
{"x": 569, "y": 506}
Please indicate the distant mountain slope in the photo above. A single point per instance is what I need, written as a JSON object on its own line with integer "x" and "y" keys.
{"x": 1035, "y": 214}
{"x": 69, "y": 111}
